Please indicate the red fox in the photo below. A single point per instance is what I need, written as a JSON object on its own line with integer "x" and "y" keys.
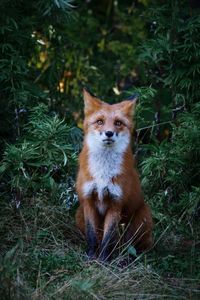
{"x": 108, "y": 184}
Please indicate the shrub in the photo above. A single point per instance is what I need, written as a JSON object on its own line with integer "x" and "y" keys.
{"x": 42, "y": 158}
{"x": 170, "y": 57}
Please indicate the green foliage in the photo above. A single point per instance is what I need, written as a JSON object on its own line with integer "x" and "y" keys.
{"x": 20, "y": 35}
{"x": 44, "y": 63}
{"x": 172, "y": 54}
{"x": 42, "y": 157}
{"x": 170, "y": 171}
{"x": 145, "y": 109}
{"x": 76, "y": 58}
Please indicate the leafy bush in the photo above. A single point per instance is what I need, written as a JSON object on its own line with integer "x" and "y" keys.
{"x": 42, "y": 158}
{"x": 172, "y": 54}
{"x": 22, "y": 25}
{"x": 170, "y": 171}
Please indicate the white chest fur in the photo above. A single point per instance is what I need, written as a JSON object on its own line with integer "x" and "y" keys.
{"x": 104, "y": 163}
{"x": 104, "y": 166}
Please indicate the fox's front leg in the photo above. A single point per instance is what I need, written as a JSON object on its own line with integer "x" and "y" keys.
{"x": 111, "y": 222}
{"x": 91, "y": 226}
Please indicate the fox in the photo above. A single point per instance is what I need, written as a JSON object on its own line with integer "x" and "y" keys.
{"x": 108, "y": 184}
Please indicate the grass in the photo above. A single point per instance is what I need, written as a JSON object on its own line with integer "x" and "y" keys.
{"x": 43, "y": 257}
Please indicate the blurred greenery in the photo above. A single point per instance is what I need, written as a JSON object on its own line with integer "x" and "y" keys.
{"x": 50, "y": 50}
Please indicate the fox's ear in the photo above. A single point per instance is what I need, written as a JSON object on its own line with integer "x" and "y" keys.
{"x": 91, "y": 102}
{"x": 128, "y": 106}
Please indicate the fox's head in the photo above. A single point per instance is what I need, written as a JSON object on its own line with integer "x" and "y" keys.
{"x": 106, "y": 125}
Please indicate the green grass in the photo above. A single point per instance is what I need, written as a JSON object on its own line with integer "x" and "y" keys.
{"x": 43, "y": 257}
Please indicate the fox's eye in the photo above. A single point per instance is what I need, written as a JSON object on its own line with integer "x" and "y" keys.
{"x": 100, "y": 122}
{"x": 118, "y": 123}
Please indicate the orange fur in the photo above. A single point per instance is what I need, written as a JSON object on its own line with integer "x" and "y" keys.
{"x": 131, "y": 209}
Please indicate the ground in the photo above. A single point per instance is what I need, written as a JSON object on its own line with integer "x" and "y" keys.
{"x": 43, "y": 257}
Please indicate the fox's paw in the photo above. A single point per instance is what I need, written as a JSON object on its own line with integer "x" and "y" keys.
{"x": 91, "y": 255}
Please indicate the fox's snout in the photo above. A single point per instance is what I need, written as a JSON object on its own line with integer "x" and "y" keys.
{"x": 107, "y": 137}
{"x": 109, "y": 134}
{"x": 97, "y": 139}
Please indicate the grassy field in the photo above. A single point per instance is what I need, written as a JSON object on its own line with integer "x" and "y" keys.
{"x": 43, "y": 257}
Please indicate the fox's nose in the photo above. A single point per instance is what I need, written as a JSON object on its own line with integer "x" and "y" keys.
{"x": 109, "y": 133}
